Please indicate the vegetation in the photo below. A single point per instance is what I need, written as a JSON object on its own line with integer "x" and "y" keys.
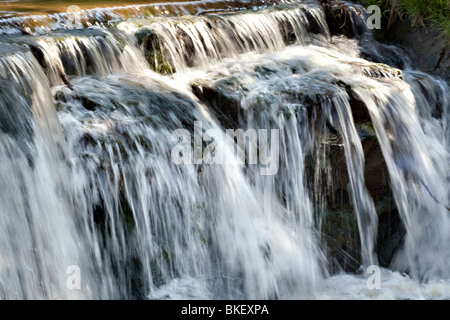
{"x": 431, "y": 14}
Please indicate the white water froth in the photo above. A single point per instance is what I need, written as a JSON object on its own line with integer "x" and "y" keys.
{"x": 394, "y": 286}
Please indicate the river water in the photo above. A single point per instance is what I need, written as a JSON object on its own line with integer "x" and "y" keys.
{"x": 90, "y": 101}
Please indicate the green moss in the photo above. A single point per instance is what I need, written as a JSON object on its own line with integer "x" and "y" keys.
{"x": 154, "y": 52}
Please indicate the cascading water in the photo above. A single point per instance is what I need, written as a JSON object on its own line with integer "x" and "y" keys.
{"x": 88, "y": 177}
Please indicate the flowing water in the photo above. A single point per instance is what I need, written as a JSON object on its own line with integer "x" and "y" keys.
{"x": 87, "y": 116}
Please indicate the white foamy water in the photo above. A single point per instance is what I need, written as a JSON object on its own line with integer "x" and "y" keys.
{"x": 394, "y": 286}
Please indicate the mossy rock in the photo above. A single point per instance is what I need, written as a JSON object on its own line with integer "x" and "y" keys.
{"x": 154, "y": 51}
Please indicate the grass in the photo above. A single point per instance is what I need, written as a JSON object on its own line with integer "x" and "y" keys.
{"x": 431, "y": 14}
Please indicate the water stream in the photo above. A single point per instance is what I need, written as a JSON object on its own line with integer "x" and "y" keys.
{"x": 87, "y": 120}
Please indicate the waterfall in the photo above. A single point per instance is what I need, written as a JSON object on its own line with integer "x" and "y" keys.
{"x": 80, "y": 18}
{"x": 176, "y": 44}
{"x": 88, "y": 116}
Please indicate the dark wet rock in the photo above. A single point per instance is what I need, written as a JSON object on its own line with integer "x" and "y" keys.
{"x": 378, "y": 52}
{"x": 88, "y": 103}
{"x": 313, "y": 24}
{"x": 188, "y": 47}
{"x": 109, "y": 45}
{"x": 339, "y": 227}
{"x": 390, "y": 229}
{"x": 428, "y": 50}
{"x": 391, "y": 233}
{"x": 287, "y": 32}
{"x": 375, "y": 174}
{"x": 16, "y": 114}
{"x": 39, "y": 54}
{"x": 433, "y": 94}
{"x": 159, "y": 105}
{"x": 341, "y": 240}
{"x": 223, "y": 98}
{"x": 154, "y": 51}
{"x": 343, "y": 19}
{"x": 132, "y": 109}
{"x": 17, "y": 100}
{"x": 360, "y": 112}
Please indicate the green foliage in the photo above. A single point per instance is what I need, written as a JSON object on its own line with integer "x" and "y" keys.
{"x": 432, "y": 14}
